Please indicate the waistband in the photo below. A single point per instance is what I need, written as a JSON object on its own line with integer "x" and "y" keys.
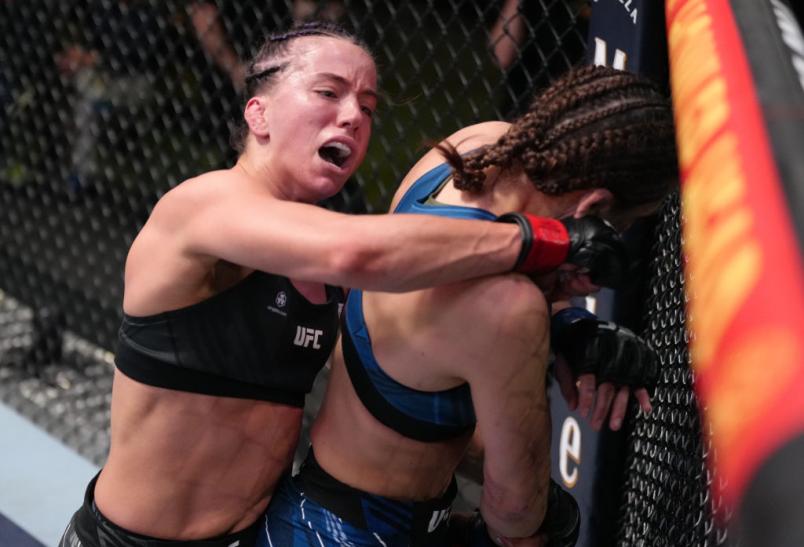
{"x": 151, "y": 371}
{"x": 424, "y": 521}
{"x": 115, "y": 535}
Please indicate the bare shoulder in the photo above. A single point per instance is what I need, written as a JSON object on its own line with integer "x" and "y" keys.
{"x": 191, "y": 198}
{"x": 169, "y": 224}
{"x": 194, "y": 190}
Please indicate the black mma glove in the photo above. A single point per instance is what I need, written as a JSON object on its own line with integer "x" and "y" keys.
{"x": 597, "y": 247}
{"x": 611, "y": 352}
{"x": 588, "y": 242}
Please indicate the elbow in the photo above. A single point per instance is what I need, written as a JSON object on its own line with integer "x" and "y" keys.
{"x": 358, "y": 266}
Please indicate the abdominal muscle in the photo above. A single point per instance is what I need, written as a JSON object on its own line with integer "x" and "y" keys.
{"x": 190, "y": 466}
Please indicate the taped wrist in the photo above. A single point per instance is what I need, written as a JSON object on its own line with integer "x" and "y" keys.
{"x": 545, "y": 242}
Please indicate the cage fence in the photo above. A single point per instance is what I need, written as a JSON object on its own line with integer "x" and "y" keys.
{"x": 105, "y": 105}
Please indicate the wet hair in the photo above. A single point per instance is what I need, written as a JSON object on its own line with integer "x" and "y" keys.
{"x": 274, "y": 56}
{"x": 595, "y": 127}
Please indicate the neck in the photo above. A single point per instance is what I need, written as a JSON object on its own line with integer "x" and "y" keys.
{"x": 259, "y": 173}
{"x": 506, "y": 192}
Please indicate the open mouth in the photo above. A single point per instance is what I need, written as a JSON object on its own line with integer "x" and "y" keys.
{"x": 335, "y": 153}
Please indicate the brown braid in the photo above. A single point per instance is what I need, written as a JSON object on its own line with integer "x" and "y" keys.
{"x": 274, "y": 56}
{"x": 595, "y": 127}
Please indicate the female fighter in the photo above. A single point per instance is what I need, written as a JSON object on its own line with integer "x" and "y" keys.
{"x": 230, "y": 306}
{"x": 417, "y": 373}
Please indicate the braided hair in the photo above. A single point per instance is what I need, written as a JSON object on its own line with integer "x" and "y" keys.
{"x": 274, "y": 56}
{"x": 595, "y": 127}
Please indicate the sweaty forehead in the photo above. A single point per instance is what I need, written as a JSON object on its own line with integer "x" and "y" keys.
{"x": 325, "y": 54}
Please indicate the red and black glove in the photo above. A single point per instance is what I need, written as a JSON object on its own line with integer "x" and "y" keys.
{"x": 588, "y": 242}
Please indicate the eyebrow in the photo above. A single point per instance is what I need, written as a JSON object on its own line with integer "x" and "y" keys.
{"x": 343, "y": 81}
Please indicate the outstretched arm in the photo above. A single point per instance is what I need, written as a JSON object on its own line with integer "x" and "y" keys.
{"x": 378, "y": 252}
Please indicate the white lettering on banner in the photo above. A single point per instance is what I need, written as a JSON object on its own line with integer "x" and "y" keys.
{"x": 633, "y": 13}
{"x": 601, "y": 55}
{"x": 305, "y": 336}
{"x": 569, "y": 451}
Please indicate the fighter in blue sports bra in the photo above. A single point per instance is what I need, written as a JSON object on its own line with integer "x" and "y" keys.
{"x": 313, "y": 507}
{"x": 422, "y": 415}
{"x": 417, "y": 371}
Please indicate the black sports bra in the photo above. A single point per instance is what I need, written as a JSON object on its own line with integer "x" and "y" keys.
{"x": 260, "y": 339}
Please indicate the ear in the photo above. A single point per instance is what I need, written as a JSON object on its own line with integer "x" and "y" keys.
{"x": 594, "y": 202}
{"x": 254, "y": 115}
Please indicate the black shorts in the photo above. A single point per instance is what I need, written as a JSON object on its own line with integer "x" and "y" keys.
{"x": 89, "y": 528}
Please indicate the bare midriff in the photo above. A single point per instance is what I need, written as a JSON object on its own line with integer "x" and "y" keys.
{"x": 189, "y": 466}
{"x": 379, "y": 460}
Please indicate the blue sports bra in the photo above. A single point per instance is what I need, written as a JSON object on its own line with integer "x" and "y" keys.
{"x": 427, "y": 416}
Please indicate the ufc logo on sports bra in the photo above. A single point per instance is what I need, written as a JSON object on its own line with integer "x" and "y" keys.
{"x": 306, "y": 336}
{"x": 438, "y": 517}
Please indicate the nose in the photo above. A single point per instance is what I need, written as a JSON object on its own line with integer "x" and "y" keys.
{"x": 350, "y": 115}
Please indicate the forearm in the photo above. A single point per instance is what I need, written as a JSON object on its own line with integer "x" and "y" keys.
{"x": 507, "y": 34}
{"x": 212, "y": 36}
{"x": 392, "y": 253}
{"x": 399, "y": 253}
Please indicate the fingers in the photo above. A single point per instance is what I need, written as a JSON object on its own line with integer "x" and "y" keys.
{"x": 609, "y": 402}
{"x": 605, "y": 394}
{"x": 566, "y": 382}
{"x": 587, "y": 388}
{"x": 618, "y": 408}
{"x": 576, "y": 283}
{"x": 643, "y": 397}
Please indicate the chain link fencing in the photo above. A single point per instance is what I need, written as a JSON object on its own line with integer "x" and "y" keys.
{"x": 107, "y": 104}
{"x": 668, "y": 496}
